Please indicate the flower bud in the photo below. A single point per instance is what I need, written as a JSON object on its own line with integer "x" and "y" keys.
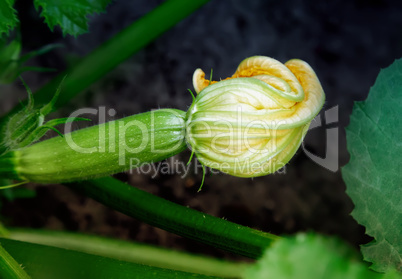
{"x": 252, "y": 123}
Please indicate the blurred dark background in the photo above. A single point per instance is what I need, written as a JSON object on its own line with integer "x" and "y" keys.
{"x": 346, "y": 43}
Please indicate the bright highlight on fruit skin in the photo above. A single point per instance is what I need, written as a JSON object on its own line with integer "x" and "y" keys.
{"x": 251, "y": 124}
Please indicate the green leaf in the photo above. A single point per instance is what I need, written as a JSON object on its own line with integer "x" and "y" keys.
{"x": 308, "y": 256}
{"x": 70, "y": 15}
{"x": 8, "y": 17}
{"x": 373, "y": 175}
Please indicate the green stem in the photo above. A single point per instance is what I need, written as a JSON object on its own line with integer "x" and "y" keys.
{"x": 116, "y": 50}
{"x": 176, "y": 218}
{"x": 48, "y": 262}
{"x": 7, "y": 169}
{"x": 131, "y": 252}
{"x": 9, "y": 267}
{"x": 3, "y": 231}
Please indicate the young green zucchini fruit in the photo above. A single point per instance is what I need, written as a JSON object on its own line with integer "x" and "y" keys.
{"x": 99, "y": 150}
{"x": 248, "y": 125}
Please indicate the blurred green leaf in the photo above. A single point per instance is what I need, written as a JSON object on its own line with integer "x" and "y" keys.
{"x": 70, "y": 15}
{"x": 46, "y": 262}
{"x": 12, "y": 65}
{"x": 17, "y": 193}
{"x": 373, "y": 175}
{"x": 9, "y": 65}
{"x": 8, "y": 16}
{"x": 11, "y": 194}
{"x": 307, "y": 256}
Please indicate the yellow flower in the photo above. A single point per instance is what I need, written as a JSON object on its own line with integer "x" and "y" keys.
{"x": 252, "y": 123}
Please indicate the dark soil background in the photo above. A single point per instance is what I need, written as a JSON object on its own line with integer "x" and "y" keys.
{"x": 346, "y": 42}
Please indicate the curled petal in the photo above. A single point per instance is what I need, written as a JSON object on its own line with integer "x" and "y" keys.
{"x": 252, "y": 123}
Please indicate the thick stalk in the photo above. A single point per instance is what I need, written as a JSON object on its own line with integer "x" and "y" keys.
{"x": 131, "y": 252}
{"x": 46, "y": 262}
{"x": 99, "y": 150}
{"x": 176, "y": 218}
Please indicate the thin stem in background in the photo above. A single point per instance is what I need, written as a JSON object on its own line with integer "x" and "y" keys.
{"x": 130, "y": 252}
{"x": 46, "y": 262}
{"x": 114, "y": 51}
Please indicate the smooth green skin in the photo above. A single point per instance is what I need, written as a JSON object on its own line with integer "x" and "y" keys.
{"x": 130, "y": 252}
{"x": 9, "y": 267}
{"x": 101, "y": 150}
{"x": 47, "y": 262}
{"x": 175, "y": 218}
